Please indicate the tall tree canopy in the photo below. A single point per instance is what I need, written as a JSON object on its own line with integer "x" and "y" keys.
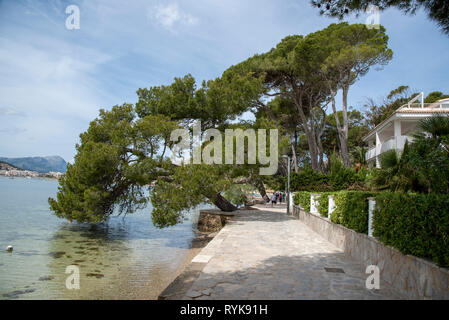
{"x": 287, "y": 71}
{"x": 437, "y": 10}
{"x": 126, "y": 150}
{"x": 352, "y": 51}
{"x": 118, "y": 155}
{"x": 307, "y": 72}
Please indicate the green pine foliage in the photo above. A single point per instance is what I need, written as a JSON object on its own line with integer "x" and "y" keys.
{"x": 116, "y": 159}
{"x": 436, "y": 10}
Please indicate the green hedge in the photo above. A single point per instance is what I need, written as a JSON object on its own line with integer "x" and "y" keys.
{"x": 352, "y": 210}
{"x": 323, "y": 203}
{"x": 416, "y": 224}
{"x": 302, "y": 198}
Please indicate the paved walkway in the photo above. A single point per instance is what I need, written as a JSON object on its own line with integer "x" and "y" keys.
{"x": 264, "y": 254}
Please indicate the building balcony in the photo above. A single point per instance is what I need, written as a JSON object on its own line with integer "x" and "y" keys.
{"x": 370, "y": 154}
{"x": 393, "y": 132}
{"x": 391, "y": 143}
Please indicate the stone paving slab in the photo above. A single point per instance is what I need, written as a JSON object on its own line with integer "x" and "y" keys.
{"x": 264, "y": 254}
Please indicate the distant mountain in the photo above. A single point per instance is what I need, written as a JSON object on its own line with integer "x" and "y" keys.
{"x": 7, "y": 166}
{"x": 39, "y": 164}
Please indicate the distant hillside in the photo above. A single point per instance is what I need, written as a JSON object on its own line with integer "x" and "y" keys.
{"x": 39, "y": 164}
{"x": 7, "y": 166}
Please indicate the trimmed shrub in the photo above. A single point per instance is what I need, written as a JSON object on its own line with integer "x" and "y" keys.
{"x": 416, "y": 224}
{"x": 309, "y": 180}
{"x": 323, "y": 203}
{"x": 302, "y": 199}
{"x": 352, "y": 210}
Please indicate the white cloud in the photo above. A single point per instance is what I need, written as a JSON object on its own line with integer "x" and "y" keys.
{"x": 49, "y": 79}
{"x": 48, "y": 94}
{"x": 11, "y": 112}
{"x": 170, "y": 16}
{"x": 12, "y": 131}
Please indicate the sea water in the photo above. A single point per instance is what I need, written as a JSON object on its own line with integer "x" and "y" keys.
{"x": 125, "y": 258}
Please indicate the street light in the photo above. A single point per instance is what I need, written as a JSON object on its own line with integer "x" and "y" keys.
{"x": 288, "y": 183}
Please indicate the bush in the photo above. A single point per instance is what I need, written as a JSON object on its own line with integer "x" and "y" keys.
{"x": 302, "y": 199}
{"x": 309, "y": 180}
{"x": 323, "y": 203}
{"x": 341, "y": 177}
{"x": 416, "y": 224}
{"x": 352, "y": 210}
{"x": 423, "y": 165}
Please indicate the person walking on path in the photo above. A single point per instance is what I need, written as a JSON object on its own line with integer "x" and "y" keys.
{"x": 273, "y": 199}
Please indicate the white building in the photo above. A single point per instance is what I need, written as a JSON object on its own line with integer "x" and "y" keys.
{"x": 399, "y": 127}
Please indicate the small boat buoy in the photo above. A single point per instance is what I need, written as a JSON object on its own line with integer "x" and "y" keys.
{"x": 9, "y": 248}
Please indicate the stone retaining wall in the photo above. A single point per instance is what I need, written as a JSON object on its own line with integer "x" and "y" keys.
{"x": 414, "y": 277}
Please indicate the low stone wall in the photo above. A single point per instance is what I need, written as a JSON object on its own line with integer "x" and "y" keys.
{"x": 213, "y": 220}
{"x": 414, "y": 277}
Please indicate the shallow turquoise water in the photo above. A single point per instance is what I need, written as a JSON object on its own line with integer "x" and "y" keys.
{"x": 122, "y": 259}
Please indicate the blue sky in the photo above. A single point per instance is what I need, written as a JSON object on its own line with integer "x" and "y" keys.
{"x": 53, "y": 80}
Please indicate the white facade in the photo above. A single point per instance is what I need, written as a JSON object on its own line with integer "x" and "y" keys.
{"x": 393, "y": 132}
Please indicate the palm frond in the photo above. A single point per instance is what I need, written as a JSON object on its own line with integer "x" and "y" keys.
{"x": 437, "y": 126}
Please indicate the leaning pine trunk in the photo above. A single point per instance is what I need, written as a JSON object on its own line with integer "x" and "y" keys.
{"x": 258, "y": 183}
{"x": 223, "y": 204}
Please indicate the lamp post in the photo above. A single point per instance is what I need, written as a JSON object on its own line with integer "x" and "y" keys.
{"x": 288, "y": 183}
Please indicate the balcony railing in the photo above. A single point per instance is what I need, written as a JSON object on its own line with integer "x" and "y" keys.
{"x": 427, "y": 106}
{"x": 392, "y": 143}
{"x": 371, "y": 153}
{"x": 388, "y": 144}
